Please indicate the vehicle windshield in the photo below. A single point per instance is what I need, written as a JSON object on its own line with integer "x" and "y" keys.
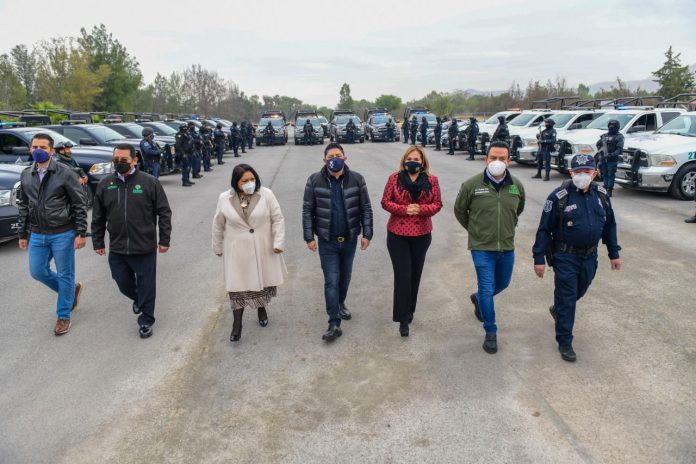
{"x": 494, "y": 119}
{"x": 603, "y": 121}
{"x": 323, "y": 120}
{"x": 430, "y": 117}
{"x": 134, "y": 130}
{"x": 104, "y": 134}
{"x": 523, "y": 119}
{"x": 161, "y": 128}
{"x": 275, "y": 122}
{"x": 381, "y": 119}
{"x": 683, "y": 125}
{"x": 345, "y": 119}
{"x": 225, "y": 122}
{"x": 562, "y": 120}
{"x": 57, "y": 138}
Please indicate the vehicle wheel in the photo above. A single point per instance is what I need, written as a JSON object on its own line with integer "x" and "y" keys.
{"x": 682, "y": 187}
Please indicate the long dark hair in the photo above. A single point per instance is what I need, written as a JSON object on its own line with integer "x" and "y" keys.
{"x": 237, "y": 174}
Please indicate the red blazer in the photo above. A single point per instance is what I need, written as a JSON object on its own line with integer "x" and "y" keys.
{"x": 396, "y": 199}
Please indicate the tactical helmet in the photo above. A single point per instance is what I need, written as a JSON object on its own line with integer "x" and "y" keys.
{"x": 219, "y": 125}
{"x": 501, "y": 119}
{"x": 62, "y": 145}
{"x": 148, "y": 132}
{"x": 550, "y": 122}
{"x": 615, "y": 123}
{"x": 183, "y": 126}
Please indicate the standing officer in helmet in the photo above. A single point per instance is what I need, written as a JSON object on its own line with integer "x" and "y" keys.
{"x": 151, "y": 152}
{"x": 501, "y": 132}
{"x": 219, "y": 139}
{"x": 308, "y": 131}
{"x": 196, "y": 156}
{"x": 610, "y": 146}
{"x": 547, "y": 144}
{"x": 437, "y": 132}
{"x": 64, "y": 152}
{"x": 206, "y": 145}
{"x": 235, "y": 138}
{"x": 576, "y": 216}
{"x": 471, "y": 133}
{"x": 268, "y": 132}
{"x": 452, "y": 132}
{"x": 414, "y": 129}
{"x": 350, "y": 131}
{"x": 424, "y": 131}
{"x": 405, "y": 129}
{"x": 250, "y": 135}
{"x": 184, "y": 151}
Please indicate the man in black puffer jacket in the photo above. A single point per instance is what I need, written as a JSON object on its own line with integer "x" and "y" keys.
{"x": 336, "y": 208}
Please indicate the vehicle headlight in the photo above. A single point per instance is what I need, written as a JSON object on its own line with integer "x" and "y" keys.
{"x": 5, "y": 197}
{"x": 101, "y": 168}
{"x": 530, "y": 142}
{"x": 582, "y": 149}
{"x": 662, "y": 160}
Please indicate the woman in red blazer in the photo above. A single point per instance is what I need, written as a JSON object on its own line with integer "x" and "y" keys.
{"x": 412, "y": 196}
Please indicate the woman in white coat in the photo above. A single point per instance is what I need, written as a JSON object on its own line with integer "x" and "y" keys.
{"x": 249, "y": 234}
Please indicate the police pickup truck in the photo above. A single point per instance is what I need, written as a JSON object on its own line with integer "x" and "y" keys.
{"x": 662, "y": 161}
{"x": 9, "y": 215}
{"x": 632, "y": 120}
{"x": 487, "y": 127}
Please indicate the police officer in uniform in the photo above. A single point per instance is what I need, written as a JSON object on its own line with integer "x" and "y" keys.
{"x": 610, "y": 146}
{"x": 424, "y": 130}
{"x": 219, "y": 140}
{"x": 501, "y": 132}
{"x": 390, "y": 130}
{"x": 350, "y": 131}
{"x": 437, "y": 132}
{"x": 184, "y": 151}
{"x": 471, "y": 133}
{"x": 268, "y": 132}
{"x": 206, "y": 145}
{"x": 308, "y": 131}
{"x": 405, "y": 129}
{"x": 576, "y": 216}
{"x": 234, "y": 138}
{"x": 242, "y": 136}
{"x": 452, "y": 132}
{"x": 413, "y": 127}
{"x": 64, "y": 152}
{"x": 547, "y": 144}
{"x": 151, "y": 152}
{"x": 196, "y": 155}
{"x": 250, "y": 135}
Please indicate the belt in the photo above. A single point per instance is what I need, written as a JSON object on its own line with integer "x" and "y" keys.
{"x": 339, "y": 239}
{"x": 576, "y": 250}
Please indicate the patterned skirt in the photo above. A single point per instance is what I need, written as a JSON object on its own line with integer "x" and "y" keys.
{"x": 253, "y": 300}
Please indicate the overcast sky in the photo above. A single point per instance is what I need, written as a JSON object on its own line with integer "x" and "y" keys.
{"x": 308, "y": 48}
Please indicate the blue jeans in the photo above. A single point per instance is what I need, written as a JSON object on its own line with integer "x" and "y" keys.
{"x": 61, "y": 249}
{"x": 493, "y": 272}
{"x": 337, "y": 265}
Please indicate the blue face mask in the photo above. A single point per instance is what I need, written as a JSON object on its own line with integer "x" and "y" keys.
{"x": 335, "y": 164}
{"x": 40, "y": 156}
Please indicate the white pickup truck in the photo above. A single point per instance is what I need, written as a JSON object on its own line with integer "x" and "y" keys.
{"x": 632, "y": 119}
{"x": 662, "y": 161}
{"x": 487, "y": 127}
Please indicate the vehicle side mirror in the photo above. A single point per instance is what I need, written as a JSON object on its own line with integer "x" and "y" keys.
{"x": 577, "y": 125}
{"x": 637, "y": 129}
{"x": 88, "y": 141}
{"x": 20, "y": 151}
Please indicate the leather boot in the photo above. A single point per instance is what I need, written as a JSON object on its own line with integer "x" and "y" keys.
{"x": 263, "y": 317}
{"x": 237, "y": 325}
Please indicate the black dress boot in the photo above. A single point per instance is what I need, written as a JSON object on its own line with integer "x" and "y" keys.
{"x": 263, "y": 317}
{"x": 237, "y": 325}
{"x": 403, "y": 329}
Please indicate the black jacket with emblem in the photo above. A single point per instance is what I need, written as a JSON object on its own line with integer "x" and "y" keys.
{"x": 130, "y": 211}
{"x": 316, "y": 206}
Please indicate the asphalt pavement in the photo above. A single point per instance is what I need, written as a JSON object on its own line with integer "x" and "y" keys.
{"x": 100, "y": 394}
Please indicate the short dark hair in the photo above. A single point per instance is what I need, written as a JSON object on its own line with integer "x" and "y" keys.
{"x": 237, "y": 173}
{"x": 126, "y": 147}
{"x": 43, "y": 136}
{"x": 498, "y": 144}
{"x": 331, "y": 146}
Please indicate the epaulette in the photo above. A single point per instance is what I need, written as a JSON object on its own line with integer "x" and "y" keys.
{"x": 601, "y": 189}
{"x": 561, "y": 193}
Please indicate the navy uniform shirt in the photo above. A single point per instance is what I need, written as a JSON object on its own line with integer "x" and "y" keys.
{"x": 585, "y": 222}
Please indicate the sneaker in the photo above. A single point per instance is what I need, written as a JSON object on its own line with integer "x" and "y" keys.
{"x": 62, "y": 327}
{"x": 76, "y": 301}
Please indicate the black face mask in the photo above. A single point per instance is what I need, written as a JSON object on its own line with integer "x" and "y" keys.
{"x": 122, "y": 168}
{"x": 413, "y": 167}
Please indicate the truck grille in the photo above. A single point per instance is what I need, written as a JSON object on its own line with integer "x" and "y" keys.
{"x": 634, "y": 157}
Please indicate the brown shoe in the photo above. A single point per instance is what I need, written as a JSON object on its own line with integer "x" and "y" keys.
{"x": 62, "y": 327}
{"x": 78, "y": 290}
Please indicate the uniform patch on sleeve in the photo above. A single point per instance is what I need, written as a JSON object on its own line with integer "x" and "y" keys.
{"x": 548, "y": 206}
{"x": 602, "y": 189}
{"x": 561, "y": 193}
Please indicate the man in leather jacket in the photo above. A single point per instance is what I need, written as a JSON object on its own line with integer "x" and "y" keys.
{"x": 52, "y": 225}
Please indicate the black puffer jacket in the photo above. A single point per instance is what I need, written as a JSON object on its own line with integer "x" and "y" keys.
{"x": 53, "y": 206}
{"x": 316, "y": 206}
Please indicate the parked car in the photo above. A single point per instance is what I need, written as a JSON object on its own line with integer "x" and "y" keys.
{"x": 95, "y": 135}
{"x": 487, "y": 127}
{"x": 337, "y": 131}
{"x": 9, "y": 215}
{"x": 376, "y": 127}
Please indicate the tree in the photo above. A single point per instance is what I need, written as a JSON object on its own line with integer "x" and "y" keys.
{"x": 25, "y": 68}
{"x": 389, "y": 102}
{"x": 12, "y": 93}
{"x": 345, "y": 101}
{"x": 673, "y": 77}
{"x": 442, "y": 105}
{"x": 583, "y": 92}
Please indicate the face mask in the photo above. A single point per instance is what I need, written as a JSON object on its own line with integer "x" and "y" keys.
{"x": 335, "y": 164}
{"x": 496, "y": 168}
{"x": 122, "y": 168}
{"x": 613, "y": 130}
{"x": 249, "y": 187}
{"x": 40, "y": 156}
{"x": 413, "y": 166}
{"x": 582, "y": 180}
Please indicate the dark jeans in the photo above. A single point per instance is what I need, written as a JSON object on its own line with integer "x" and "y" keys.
{"x": 573, "y": 275}
{"x": 337, "y": 264}
{"x": 408, "y": 257}
{"x": 136, "y": 277}
{"x": 185, "y": 168}
{"x": 493, "y": 273}
{"x": 609, "y": 173}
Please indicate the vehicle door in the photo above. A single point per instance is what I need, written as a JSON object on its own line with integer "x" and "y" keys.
{"x": 13, "y": 149}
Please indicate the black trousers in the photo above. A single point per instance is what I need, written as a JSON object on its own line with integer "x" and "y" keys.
{"x": 408, "y": 257}
{"x": 136, "y": 277}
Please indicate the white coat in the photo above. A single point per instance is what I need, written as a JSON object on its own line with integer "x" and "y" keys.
{"x": 246, "y": 244}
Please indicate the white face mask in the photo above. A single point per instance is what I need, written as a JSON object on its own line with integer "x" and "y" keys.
{"x": 582, "y": 180}
{"x": 249, "y": 187}
{"x": 496, "y": 168}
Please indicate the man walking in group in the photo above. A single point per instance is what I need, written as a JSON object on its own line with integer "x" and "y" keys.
{"x": 488, "y": 206}
{"x": 576, "y": 216}
{"x": 130, "y": 205}
{"x": 336, "y": 209}
{"x": 52, "y": 225}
